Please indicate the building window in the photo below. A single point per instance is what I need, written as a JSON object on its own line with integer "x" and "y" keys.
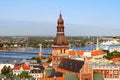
{"x": 115, "y": 76}
{"x": 61, "y": 29}
{"x": 64, "y": 50}
{"x": 111, "y": 72}
{"x": 115, "y": 72}
{"x": 107, "y": 72}
{"x": 107, "y": 76}
{"x": 61, "y": 50}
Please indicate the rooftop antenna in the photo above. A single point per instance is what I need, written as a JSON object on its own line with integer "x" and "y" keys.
{"x": 60, "y": 10}
{"x": 60, "y": 14}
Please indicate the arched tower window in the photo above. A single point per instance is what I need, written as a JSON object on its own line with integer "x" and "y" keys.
{"x": 61, "y": 50}
{"x": 64, "y": 50}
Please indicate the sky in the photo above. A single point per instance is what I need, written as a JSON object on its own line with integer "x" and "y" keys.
{"x": 39, "y": 17}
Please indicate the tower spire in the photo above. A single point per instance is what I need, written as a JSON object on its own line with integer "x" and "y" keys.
{"x": 60, "y": 11}
{"x": 60, "y": 14}
{"x": 60, "y": 47}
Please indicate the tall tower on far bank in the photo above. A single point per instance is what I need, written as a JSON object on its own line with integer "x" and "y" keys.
{"x": 61, "y": 46}
{"x": 97, "y": 44}
{"x": 40, "y": 53}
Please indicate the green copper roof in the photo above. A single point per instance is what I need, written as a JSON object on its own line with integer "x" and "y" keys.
{"x": 98, "y": 76}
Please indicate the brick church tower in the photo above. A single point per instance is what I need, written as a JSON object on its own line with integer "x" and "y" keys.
{"x": 61, "y": 46}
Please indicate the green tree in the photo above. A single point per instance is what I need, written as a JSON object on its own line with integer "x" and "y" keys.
{"x": 112, "y": 55}
{"x": 37, "y": 59}
{"x": 25, "y": 74}
{"x": 7, "y": 71}
{"x": 3, "y": 71}
{"x": 49, "y": 60}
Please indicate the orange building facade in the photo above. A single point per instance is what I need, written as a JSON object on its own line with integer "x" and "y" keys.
{"x": 86, "y": 72}
{"x": 109, "y": 72}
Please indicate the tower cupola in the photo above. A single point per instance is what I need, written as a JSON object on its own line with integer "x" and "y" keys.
{"x": 60, "y": 36}
{"x": 60, "y": 20}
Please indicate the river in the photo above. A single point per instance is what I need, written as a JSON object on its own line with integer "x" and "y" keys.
{"x": 7, "y": 56}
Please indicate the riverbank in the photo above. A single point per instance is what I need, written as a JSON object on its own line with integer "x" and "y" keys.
{"x": 11, "y": 56}
{"x": 9, "y": 59}
{"x": 19, "y": 52}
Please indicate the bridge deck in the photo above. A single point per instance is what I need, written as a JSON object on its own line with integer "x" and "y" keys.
{"x": 45, "y": 53}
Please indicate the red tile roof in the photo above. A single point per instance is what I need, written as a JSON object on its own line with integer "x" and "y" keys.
{"x": 116, "y": 59}
{"x": 60, "y": 78}
{"x": 71, "y": 52}
{"x": 80, "y": 52}
{"x": 64, "y": 71}
{"x": 16, "y": 67}
{"x": 97, "y": 52}
{"x": 89, "y": 58}
{"x": 46, "y": 79}
{"x": 23, "y": 66}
